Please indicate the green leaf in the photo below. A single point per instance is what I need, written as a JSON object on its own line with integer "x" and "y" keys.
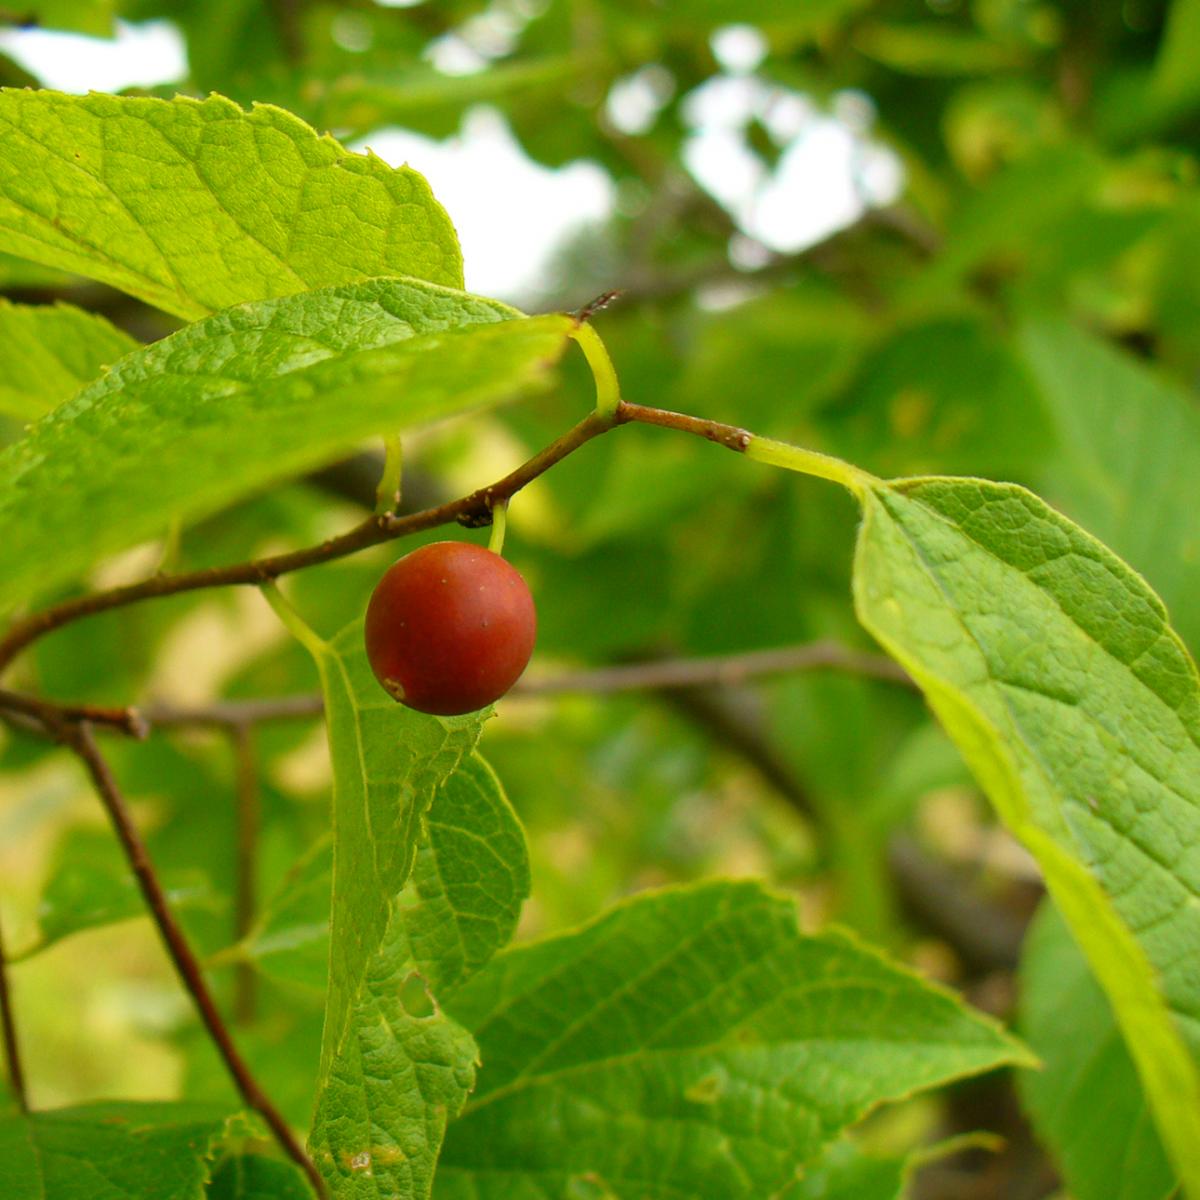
{"x": 290, "y": 940}
{"x": 388, "y": 762}
{"x": 118, "y": 1151}
{"x": 90, "y": 884}
{"x": 50, "y": 352}
{"x": 940, "y": 395}
{"x": 401, "y": 1069}
{"x": 1052, "y": 666}
{"x": 1126, "y": 437}
{"x": 846, "y": 1172}
{"x": 394, "y": 1067}
{"x": 1087, "y": 1103}
{"x": 94, "y": 17}
{"x": 781, "y": 17}
{"x": 420, "y": 97}
{"x": 459, "y": 907}
{"x": 932, "y": 48}
{"x": 195, "y": 205}
{"x": 1175, "y": 81}
{"x": 252, "y": 395}
{"x": 254, "y": 1177}
{"x": 690, "y": 1042}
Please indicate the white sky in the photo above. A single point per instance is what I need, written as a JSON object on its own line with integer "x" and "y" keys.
{"x": 511, "y": 213}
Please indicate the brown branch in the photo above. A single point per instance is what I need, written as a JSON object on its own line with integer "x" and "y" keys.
{"x": 245, "y": 902}
{"x": 471, "y": 510}
{"x": 655, "y": 675}
{"x": 234, "y": 714}
{"x": 79, "y": 738}
{"x": 50, "y": 714}
{"x": 31, "y": 714}
{"x": 729, "y": 436}
{"x": 12, "y": 1048}
{"x": 726, "y": 671}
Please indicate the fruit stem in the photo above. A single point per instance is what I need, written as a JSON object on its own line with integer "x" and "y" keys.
{"x": 499, "y": 521}
{"x": 608, "y": 387}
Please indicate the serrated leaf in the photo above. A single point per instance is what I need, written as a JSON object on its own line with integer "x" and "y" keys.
{"x": 1086, "y": 1103}
{"x": 121, "y": 1151}
{"x": 394, "y": 1067}
{"x": 254, "y": 394}
{"x": 1127, "y": 436}
{"x": 459, "y": 907}
{"x": 690, "y": 1043}
{"x": 196, "y": 205}
{"x": 1052, "y": 665}
{"x": 401, "y": 1069}
{"x": 50, "y": 352}
{"x": 388, "y": 762}
{"x": 90, "y": 885}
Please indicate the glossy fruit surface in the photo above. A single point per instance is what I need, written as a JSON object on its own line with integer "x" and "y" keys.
{"x": 450, "y": 628}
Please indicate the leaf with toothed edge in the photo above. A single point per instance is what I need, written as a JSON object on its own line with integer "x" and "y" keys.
{"x": 691, "y": 1043}
{"x": 428, "y": 877}
{"x": 1053, "y": 667}
{"x": 197, "y": 205}
{"x": 459, "y": 906}
{"x": 249, "y": 396}
{"x": 121, "y": 1151}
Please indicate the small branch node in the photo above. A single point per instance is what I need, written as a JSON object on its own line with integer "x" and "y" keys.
{"x": 601, "y": 302}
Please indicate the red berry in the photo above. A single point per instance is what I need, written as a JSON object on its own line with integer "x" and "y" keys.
{"x": 450, "y": 628}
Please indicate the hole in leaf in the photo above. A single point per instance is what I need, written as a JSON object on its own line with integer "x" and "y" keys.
{"x": 415, "y": 998}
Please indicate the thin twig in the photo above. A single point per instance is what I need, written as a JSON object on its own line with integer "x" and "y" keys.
{"x": 728, "y": 670}
{"x": 79, "y": 738}
{"x": 729, "y": 436}
{"x": 12, "y": 1049}
{"x": 48, "y": 713}
{"x": 655, "y": 675}
{"x": 234, "y": 713}
{"x": 245, "y": 892}
{"x": 471, "y": 510}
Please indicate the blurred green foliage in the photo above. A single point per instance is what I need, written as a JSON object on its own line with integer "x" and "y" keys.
{"x": 1023, "y": 309}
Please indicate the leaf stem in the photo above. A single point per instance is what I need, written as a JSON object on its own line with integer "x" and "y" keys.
{"x": 387, "y": 494}
{"x": 608, "y": 387}
{"x": 808, "y": 462}
{"x": 12, "y": 1049}
{"x": 79, "y": 738}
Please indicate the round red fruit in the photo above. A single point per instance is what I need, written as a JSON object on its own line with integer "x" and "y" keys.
{"x": 450, "y": 628}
